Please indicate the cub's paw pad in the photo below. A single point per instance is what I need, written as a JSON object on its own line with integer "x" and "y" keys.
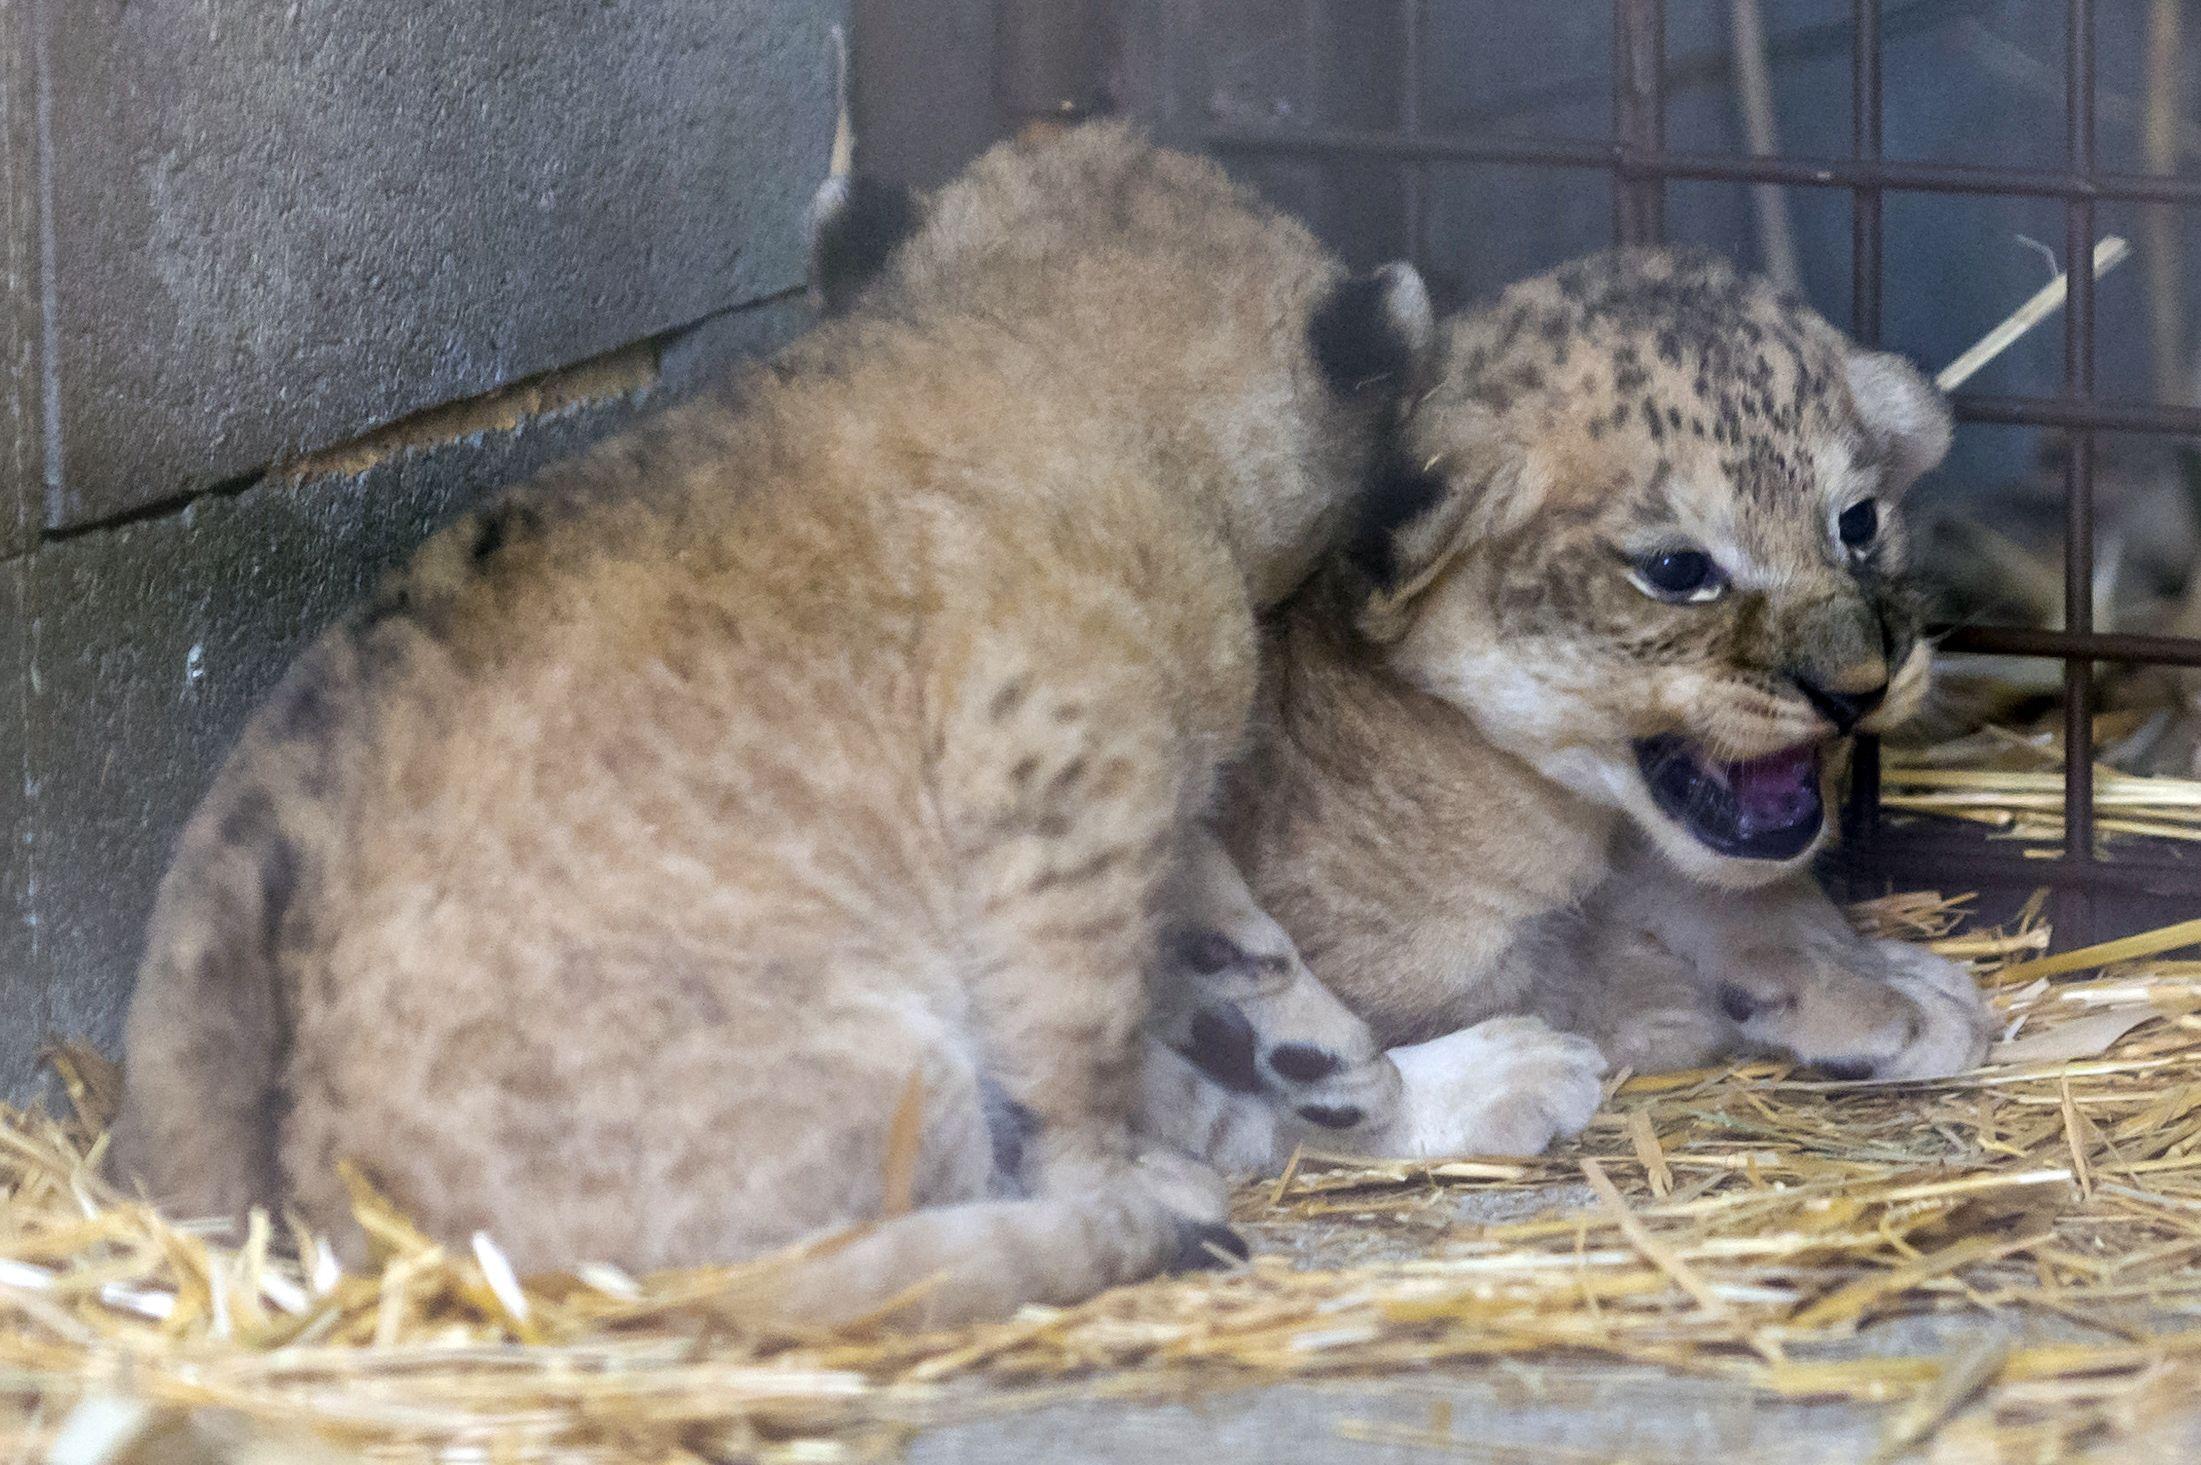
{"x": 1332, "y": 1116}
{"x": 1332, "y": 1091}
{"x": 1845, "y": 1070}
{"x": 1205, "y": 953}
{"x": 1208, "y": 1246}
{"x": 1223, "y": 1043}
{"x": 1257, "y": 1022}
{"x": 1303, "y": 1062}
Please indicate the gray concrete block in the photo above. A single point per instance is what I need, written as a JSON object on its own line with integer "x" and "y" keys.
{"x": 22, "y": 397}
{"x": 156, "y": 639}
{"x": 22, "y": 988}
{"x": 1553, "y": 1407}
{"x": 278, "y": 226}
{"x": 1594, "y": 1414}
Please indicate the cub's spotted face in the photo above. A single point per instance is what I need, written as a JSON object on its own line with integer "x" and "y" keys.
{"x": 1645, "y": 533}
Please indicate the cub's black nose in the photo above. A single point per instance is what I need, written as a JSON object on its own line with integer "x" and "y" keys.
{"x": 1844, "y": 709}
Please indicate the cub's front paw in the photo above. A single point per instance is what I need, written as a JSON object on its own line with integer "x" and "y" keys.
{"x": 1955, "y": 1023}
{"x": 1908, "y": 1014}
{"x": 1508, "y": 1086}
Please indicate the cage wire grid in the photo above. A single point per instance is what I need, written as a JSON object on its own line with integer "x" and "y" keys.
{"x": 2087, "y": 888}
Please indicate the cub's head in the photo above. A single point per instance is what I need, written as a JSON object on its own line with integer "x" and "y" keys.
{"x": 1168, "y": 298}
{"x": 1644, "y": 531}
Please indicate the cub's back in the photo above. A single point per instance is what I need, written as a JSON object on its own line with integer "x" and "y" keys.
{"x": 744, "y": 746}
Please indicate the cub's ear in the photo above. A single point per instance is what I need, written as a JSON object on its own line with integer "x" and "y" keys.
{"x": 856, "y": 224}
{"x": 1383, "y": 550}
{"x": 1375, "y": 332}
{"x": 1907, "y": 417}
{"x": 1412, "y": 522}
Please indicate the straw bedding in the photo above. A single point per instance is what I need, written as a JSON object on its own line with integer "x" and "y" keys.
{"x": 1738, "y": 1225}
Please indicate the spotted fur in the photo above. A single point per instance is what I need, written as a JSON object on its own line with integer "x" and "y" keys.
{"x": 1450, "y": 774}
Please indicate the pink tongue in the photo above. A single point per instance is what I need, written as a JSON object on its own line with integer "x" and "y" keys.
{"x": 1777, "y": 790}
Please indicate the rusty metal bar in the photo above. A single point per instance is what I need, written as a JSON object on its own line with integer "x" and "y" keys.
{"x": 2119, "y": 646}
{"x": 1866, "y": 261}
{"x": 1866, "y": 125}
{"x": 1919, "y": 857}
{"x": 2155, "y": 417}
{"x": 2075, "y": 914}
{"x": 1909, "y": 177}
{"x": 1639, "y": 120}
{"x": 1889, "y": 175}
{"x": 1346, "y": 142}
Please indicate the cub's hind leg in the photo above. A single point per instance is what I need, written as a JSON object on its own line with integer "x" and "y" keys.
{"x": 205, "y": 1039}
{"x": 790, "y": 1080}
{"x": 1064, "y": 770}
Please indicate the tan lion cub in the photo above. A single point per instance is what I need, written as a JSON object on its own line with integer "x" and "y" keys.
{"x": 1550, "y": 746}
{"x": 1250, "y": 1052}
{"x": 822, "y": 754}
{"x": 1555, "y": 737}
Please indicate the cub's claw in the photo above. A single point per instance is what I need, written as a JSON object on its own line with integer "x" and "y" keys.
{"x": 1208, "y": 1246}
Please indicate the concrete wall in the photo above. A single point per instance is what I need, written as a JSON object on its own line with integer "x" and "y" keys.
{"x": 241, "y": 241}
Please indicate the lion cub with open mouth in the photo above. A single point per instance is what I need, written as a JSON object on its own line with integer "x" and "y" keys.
{"x": 1555, "y": 739}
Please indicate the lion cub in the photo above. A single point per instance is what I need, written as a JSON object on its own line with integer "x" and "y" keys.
{"x": 1549, "y": 746}
{"x": 1555, "y": 736}
{"x": 811, "y": 767}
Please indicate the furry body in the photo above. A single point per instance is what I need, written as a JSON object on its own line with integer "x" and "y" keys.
{"x": 615, "y": 878}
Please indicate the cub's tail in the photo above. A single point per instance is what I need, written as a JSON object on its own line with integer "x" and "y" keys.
{"x": 949, "y": 1265}
{"x": 207, "y": 1040}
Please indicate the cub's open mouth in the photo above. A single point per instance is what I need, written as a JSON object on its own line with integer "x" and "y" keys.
{"x": 1759, "y": 809}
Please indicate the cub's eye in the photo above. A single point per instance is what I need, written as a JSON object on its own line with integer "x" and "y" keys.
{"x": 1859, "y": 524}
{"x": 1679, "y": 574}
